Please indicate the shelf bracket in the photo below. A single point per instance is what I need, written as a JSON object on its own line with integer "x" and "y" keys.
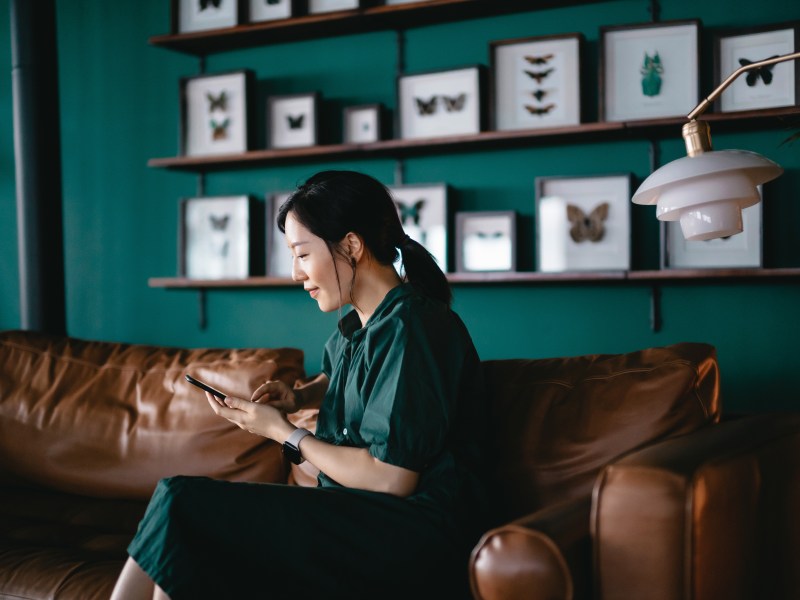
{"x": 400, "y": 41}
{"x": 202, "y": 320}
{"x": 655, "y": 155}
{"x": 399, "y": 171}
{"x": 655, "y": 308}
{"x": 655, "y": 10}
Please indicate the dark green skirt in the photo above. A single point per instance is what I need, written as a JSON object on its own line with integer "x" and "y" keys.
{"x": 204, "y": 538}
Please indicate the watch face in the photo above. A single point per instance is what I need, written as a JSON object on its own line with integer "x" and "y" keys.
{"x": 292, "y": 453}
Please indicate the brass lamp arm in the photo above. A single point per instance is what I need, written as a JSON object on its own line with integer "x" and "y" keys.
{"x": 703, "y": 106}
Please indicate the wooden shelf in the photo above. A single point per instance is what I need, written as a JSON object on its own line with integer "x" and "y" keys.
{"x": 665, "y": 275}
{"x": 377, "y": 18}
{"x": 583, "y": 133}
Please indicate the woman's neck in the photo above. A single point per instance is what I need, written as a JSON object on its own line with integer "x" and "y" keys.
{"x": 373, "y": 282}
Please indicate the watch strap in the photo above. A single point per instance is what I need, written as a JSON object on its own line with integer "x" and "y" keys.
{"x": 291, "y": 446}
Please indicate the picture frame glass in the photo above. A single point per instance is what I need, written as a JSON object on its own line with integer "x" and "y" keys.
{"x": 537, "y": 83}
{"x": 215, "y": 115}
{"x": 269, "y": 11}
{"x": 440, "y": 104}
{"x": 583, "y": 223}
{"x": 741, "y": 250}
{"x": 423, "y": 211}
{"x": 292, "y": 121}
{"x": 279, "y": 256}
{"x": 362, "y": 125}
{"x": 202, "y": 15}
{"x": 487, "y": 241}
{"x": 766, "y": 87}
{"x": 216, "y": 237}
{"x": 650, "y": 72}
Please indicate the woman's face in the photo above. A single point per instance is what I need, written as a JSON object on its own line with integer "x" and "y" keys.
{"x": 313, "y": 265}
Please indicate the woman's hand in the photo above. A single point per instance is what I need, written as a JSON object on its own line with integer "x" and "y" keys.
{"x": 277, "y": 394}
{"x": 262, "y": 419}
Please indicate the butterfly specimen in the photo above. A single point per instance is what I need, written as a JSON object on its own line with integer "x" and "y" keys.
{"x": 409, "y": 212}
{"x": 539, "y": 60}
{"x": 426, "y": 107}
{"x": 273, "y": 2}
{"x": 539, "y": 75}
{"x": 651, "y": 74}
{"x": 539, "y": 94}
{"x": 219, "y": 223}
{"x": 295, "y": 122}
{"x": 587, "y": 227}
{"x": 219, "y": 131}
{"x": 540, "y": 110}
{"x": 219, "y": 102}
{"x": 488, "y": 236}
{"x": 204, "y": 4}
{"x": 764, "y": 73}
{"x": 454, "y": 104}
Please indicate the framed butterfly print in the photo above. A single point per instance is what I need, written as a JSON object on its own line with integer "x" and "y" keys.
{"x": 583, "y": 223}
{"x": 215, "y": 113}
{"x": 765, "y": 87}
{"x": 486, "y": 241}
{"x": 364, "y": 124}
{"x": 293, "y": 120}
{"x": 279, "y": 257}
{"x": 272, "y": 10}
{"x": 536, "y": 82}
{"x": 649, "y": 70}
{"x": 201, "y": 15}
{"x": 323, "y": 6}
{"x": 740, "y": 250}
{"x": 425, "y": 213}
{"x": 219, "y": 237}
{"x": 441, "y": 103}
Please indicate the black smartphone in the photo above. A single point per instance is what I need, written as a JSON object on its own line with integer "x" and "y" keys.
{"x": 205, "y": 386}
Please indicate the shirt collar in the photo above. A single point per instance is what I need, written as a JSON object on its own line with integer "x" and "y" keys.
{"x": 350, "y": 323}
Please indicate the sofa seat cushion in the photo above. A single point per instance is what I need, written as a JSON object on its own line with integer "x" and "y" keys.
{"x": 108, "y": 419}
{"x": 62, "y": 546}
{"x": 556, "y": 422}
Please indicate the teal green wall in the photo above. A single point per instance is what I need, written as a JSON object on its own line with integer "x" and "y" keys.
{"x": 119, "y": 107}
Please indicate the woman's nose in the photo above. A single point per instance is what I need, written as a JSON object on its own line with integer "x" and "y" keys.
{"x": 297, "y": 273}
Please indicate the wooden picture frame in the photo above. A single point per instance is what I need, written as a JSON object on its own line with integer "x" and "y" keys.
{"x": 441, "y": 103}
{"x": 649, "y": 70}
{"x": 536, "y": 81}
{"x": 486, "y": 241}
{"x": 768, "y": 87}
{"x": 293, "y": 120}
{"x": 216, "y": 112}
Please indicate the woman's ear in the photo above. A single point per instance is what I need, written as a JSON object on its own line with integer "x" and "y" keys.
{"x": 354, "y": 246}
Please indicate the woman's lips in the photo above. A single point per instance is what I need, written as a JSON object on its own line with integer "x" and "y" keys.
{"x": 313, "y": 292}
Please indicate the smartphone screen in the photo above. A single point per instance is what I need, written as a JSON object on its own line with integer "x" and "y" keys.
{"x": 205, "y": 386}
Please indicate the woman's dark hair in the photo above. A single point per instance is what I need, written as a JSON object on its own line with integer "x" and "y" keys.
{"x": 331, "y": 204}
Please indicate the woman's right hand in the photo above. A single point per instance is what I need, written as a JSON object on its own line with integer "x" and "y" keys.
{"x": 276, "y": 393}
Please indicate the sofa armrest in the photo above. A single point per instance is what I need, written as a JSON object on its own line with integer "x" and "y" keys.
{"x": 712, "y": 514}
{"x": 543, "y": 555}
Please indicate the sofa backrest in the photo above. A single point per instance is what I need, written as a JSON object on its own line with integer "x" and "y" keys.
{"x": 557, "y": 421}
{"x": 109, "y": 419}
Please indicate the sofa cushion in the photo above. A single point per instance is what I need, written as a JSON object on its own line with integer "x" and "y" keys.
{"x": 109, "y": 419}
{"x": 556, "y": 422}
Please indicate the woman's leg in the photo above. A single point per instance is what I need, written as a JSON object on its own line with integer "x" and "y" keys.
{"x": 134, "y": 584}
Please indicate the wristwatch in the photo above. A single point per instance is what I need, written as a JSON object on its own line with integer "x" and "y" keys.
{"x": 291, "y": 447}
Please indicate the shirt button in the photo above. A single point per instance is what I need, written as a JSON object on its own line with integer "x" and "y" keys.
{"x": 344, "y": 431}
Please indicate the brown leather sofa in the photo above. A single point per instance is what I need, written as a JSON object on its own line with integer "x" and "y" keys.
{"x": 613, "y": 479}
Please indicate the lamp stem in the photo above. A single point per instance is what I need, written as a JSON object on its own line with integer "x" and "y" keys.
{"x": 703, "y": 106}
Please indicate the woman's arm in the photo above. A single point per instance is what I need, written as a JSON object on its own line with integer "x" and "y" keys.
{"x": 350, "y": 467}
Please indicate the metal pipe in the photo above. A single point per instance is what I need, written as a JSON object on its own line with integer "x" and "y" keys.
{"x": 37, "y": 153}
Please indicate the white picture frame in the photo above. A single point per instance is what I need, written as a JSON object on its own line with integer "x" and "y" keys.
{"x": 424, "y": 211}
{"x": 650, "y": 70}
{"x": 203, "y": 15}
{"x": 279, "y": 256}
{"x": 260, "y": 11}
{"x": 216, "y": 237}
{"x": 486, "y": 241}
{"x": 215, "y": 113}
{"x": 583, "y": 223}
{"x": 441, "y": 103}
{"x": 767, "y": 87}
{"x": 363, "y": 124}
{"x": 742, "y": 250}
{"x": 324, "y": 6}
{"x": 293, "y": 120}
{"x": 536, "y": 82}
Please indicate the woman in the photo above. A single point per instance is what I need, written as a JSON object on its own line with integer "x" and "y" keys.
{"x": 400, "y": 496}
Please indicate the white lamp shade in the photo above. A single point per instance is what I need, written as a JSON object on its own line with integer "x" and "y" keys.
{"x": 707, "y": 192}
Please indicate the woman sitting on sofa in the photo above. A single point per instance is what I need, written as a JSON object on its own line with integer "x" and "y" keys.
{"x": 400, "y": 499}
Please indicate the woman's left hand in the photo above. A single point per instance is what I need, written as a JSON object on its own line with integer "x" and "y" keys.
{"x": 261, "y": 419}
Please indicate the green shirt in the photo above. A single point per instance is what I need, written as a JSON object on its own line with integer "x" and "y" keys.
{"x": 408, "y": 386}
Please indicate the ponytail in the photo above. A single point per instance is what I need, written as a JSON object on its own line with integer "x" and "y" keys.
{"x": 423, "y": 272}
